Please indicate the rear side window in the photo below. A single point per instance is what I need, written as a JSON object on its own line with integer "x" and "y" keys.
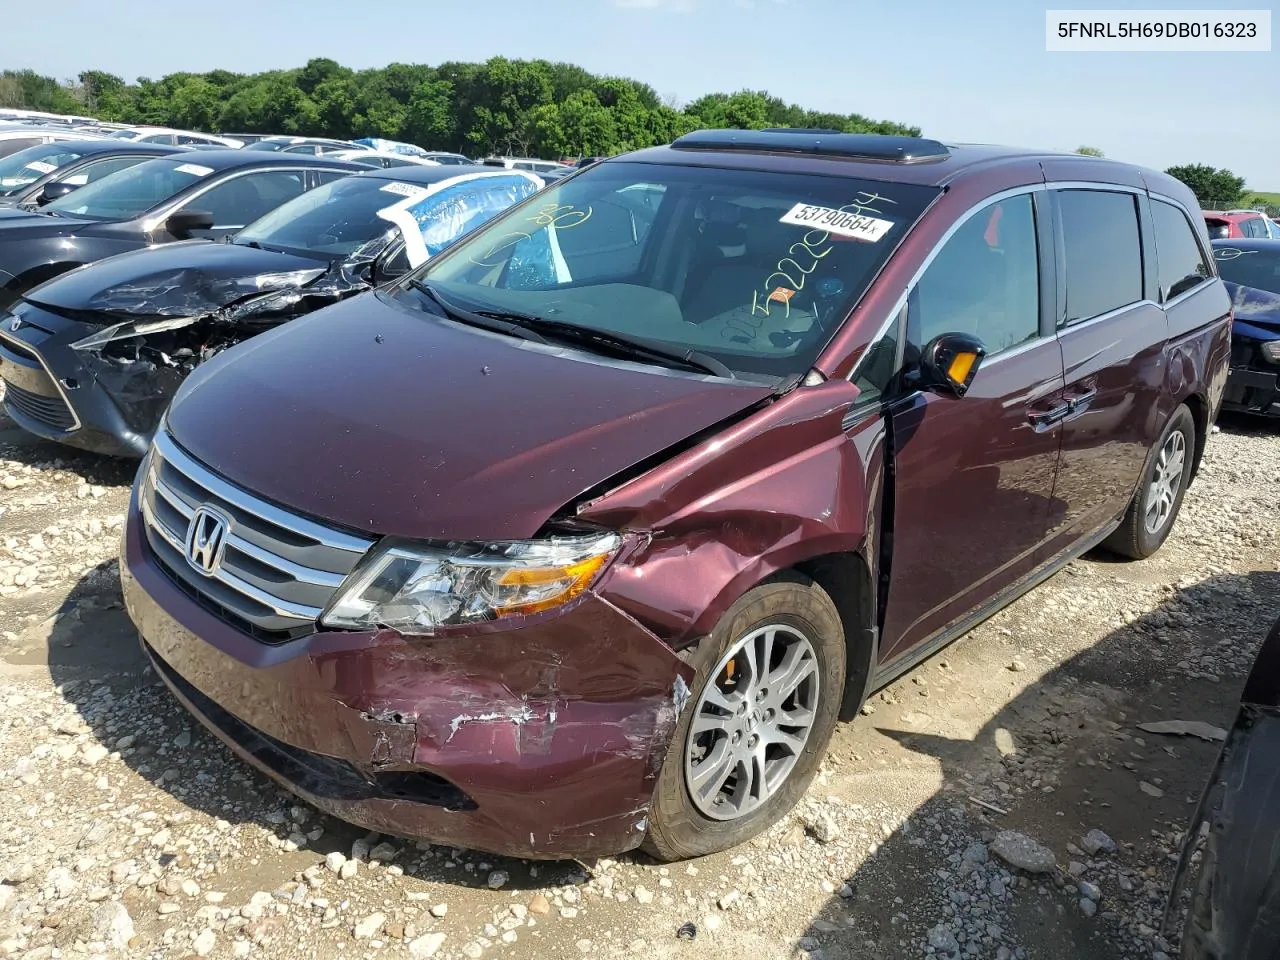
{"x": 243, "y": 199}
{"x": 1102, "y": 251}
{"x": 1181, "y": 261}
{"x": 1254, "y": 227}
{"x": 18, "y": 143}
{"x": 985, "y": 281}
{"x": 98, "y": 169}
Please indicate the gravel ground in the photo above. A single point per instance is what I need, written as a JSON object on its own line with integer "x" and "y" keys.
{"x": 997, "y": 802}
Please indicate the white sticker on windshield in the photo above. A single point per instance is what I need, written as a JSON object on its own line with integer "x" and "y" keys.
{"x": 194, "y": 169}
{"x": 405, "y": 189}
{"x": 840, "y": 222}
{"x": 39, "y": 166}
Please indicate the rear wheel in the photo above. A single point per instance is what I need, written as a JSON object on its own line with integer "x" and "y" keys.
{"x": 1149, "y": 519}
{"x": 769, "y": 683}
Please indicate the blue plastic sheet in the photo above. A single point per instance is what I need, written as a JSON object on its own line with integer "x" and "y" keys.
{"x": 432, "y": 217}
{"x": 391, "y": 146}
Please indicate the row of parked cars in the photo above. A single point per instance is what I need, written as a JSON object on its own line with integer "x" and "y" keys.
{"x": 20, "y": 129}
{"x": 1246, "y": 246}
{"x": 613, "y": 493}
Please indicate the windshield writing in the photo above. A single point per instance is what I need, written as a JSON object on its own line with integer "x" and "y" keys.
{"x": 756, "y": 269}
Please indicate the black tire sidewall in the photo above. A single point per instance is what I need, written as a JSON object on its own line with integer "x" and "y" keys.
{"x": 677, "y": 829}
{"x": 1149, "y": 543}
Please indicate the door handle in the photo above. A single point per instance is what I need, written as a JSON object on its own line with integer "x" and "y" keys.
{"x": 1079, "y": 400}
{"x": 1044, "y": 419}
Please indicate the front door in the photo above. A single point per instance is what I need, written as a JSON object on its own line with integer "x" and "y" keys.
{"x": 974, "y": 476}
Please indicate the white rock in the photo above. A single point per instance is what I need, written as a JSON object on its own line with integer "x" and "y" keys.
{"x": 426, "y": 946}
{"x": 112, "y": 923}
{"x": 439, "y": 910}
{"x": 204, "y": 943}
{"x": 94, "y": 753}
{"x": 369, "y": 926}
{"x": 335, "y": 860}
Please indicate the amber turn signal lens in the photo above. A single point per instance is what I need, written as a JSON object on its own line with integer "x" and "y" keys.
{"x": 961, "y": 366}
{"x": 552, "y": 585}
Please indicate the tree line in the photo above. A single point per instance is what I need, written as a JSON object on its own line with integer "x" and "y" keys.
{"x": 519, "y": 107}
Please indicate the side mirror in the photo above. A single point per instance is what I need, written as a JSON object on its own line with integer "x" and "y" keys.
{"x": 949, "y": 362}
{"x": 183, "y": 222}
{"x": 54, "y": 191}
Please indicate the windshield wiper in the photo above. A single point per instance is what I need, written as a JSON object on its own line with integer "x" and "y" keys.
{"x": 494, "y": 324}
{"x": 616, "y": 342}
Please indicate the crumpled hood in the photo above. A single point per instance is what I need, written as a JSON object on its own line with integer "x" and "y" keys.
{"x": 382, "y": 418}
{"x": 184, "y": 279}
{"x": 19, "y": 224}
{"x": 1255, "y": 307}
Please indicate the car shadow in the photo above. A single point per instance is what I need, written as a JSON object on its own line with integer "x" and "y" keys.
{"x": 1248, "y": 425}
{"x": 1058, "y": 758}
{"x": 94, "y": 657}
{"x": 36, "y": 452}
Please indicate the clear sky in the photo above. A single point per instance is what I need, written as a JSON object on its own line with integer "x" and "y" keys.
{"x": 971, "y": 70}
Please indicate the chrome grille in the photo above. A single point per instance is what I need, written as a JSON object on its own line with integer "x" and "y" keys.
{"x": 278, "y": 570}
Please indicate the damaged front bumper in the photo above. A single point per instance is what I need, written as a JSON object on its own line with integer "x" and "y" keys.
{"x": 51, "y": 391}
{"x": 541, "y": 741}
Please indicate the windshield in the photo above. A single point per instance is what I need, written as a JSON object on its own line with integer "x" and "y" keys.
{"x": 356, "y": 214}
{"x": 1249, "y": 268}
{"x": 129, "y": 193}
{"x": 337, "y": 218}
{"x": 756, "y": 269}
{"x": 270, "y": 144}
{"x": 27, "y": 166}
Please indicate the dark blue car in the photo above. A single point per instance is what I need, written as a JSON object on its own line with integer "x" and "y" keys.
{"x": 1251, "y": 269}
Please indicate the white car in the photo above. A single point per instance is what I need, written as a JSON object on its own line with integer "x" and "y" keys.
{"x": 379, "y": 158}
{"x": 449, "y": 159}
{"x": 174, "y": 137}
{"x": 527, "y": 163}
{"x": 19, "y": 136}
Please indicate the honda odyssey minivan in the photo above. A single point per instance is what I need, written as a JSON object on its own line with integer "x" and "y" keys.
{"x": 583, "y": 535}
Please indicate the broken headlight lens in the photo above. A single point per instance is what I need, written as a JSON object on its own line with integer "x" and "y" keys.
{"x": 415, "y": 589}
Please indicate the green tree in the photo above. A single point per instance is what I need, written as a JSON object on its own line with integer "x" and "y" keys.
{"x": 1215, "y": 189}
{"x": 501, "y": 105}
{"x": 1090, "y": 152}
{"x": 430, "y": 121}
{"x": 195, "y": 104}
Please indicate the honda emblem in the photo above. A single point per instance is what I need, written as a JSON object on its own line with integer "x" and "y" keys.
{"x": 207, "y": 539}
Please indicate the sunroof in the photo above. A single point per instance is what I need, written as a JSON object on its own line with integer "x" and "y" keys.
{"x": 823, "y": 143}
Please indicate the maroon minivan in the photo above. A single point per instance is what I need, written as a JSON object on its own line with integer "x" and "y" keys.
{"x": 583, "y": 535}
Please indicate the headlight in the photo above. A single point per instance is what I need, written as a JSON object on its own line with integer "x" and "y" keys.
{"x": 415, "y": 589}
{"x": 1271, "y": 350}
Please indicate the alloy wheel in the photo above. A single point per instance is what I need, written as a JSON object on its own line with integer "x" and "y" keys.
{"x": 1165, "y": 482}
{"x": 751, "y": 722}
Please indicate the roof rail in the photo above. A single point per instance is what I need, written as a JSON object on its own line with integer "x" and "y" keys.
{"x": 823, "y": 143}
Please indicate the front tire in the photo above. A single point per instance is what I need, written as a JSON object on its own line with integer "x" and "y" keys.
{"x": 1150, "y": 517}
{"x": 765, "y": 699}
